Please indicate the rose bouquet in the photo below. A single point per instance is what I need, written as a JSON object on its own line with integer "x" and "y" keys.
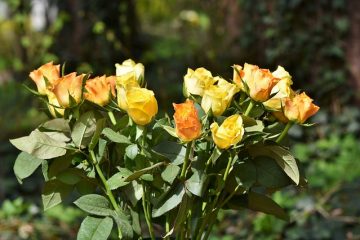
{"x": 166, "y": 177}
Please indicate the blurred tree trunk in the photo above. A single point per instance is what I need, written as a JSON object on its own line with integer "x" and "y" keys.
{"x": 353, "y": 45}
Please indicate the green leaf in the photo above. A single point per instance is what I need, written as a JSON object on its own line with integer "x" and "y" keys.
{"x": 118, "y": 179}
{"x": 58, "y": 165}
{"x": 287, "y": 162}
{"x": 25, "y": 165}
{"x": 93, "y": 228}
{"x": 71, "y": 176}
{"x": 94, "y": 204}
{"x": 181, "y": 215}
{"x": 174, "y": 200}
{"x": 258, "y": 127}
{"x": 132, "y": 151}
{"x": 115, "y": 137}
{"x": 84, "y": 129}
{"x": 258, "y": 202}
{"x": 215, "y": 155}
{"x": 124, "y": 225}
{"x": 57, "y": 124}
{"x": 282, "y": 157}
{"x": 58, "y": 136}
{"x": 100, "y": 124}
{"x": 134, "y": 192}
{"x": 173, "y": 151}
{"x": 139, "y": 131}
{"x": 170, "y": 130}
{"x": 139, "y": 173}
{"x": 40, "y": 145}
{"x": 86, "y": 186}
{"x": 195, "y": 183}
{"x": 54, "y": 192}
{"x": 269, "y": 174}
{"x": 170, "y": 173}
{"x": 135, "y": 221}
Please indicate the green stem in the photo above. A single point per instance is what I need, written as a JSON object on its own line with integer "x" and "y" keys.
{"x": 167, "y": 226}
{"x": 147, "y": 215}
{"x": 213, "y": 206}
{"x": 107, "y": 188}
{"x": 248, "y": 109}
{"x": 186, "y": 160}
{"x": 284, "y": 132}
{"x": 112, "y": 118}
{"x": 143, "y": 139}
{"x": 230, "y": 196}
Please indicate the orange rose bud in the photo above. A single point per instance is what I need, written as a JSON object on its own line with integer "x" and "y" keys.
{"x": 299, "y": 108}
{"x": 68, "y": 89}
{"x": 48, "y": 71}
{"x": 261, "y": 85}
{"x": 188, "y": 126}
{"x": 112, "y": 81}
{"x": 99, "y": 90}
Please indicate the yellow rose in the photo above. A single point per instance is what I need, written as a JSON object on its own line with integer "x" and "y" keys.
{"x": 49, "y": 71}
{"x": 281, "y": 90}
{"x": 196, "y": 82}
{"x": 99, "y": 90}
{"x": 299, "y": 108}
{"x": 54, "y": 106}
{"x": 218, "y": 97}
{"x": 131, "y": 70}
{"x": 229, "y": 133}
{"x": 67, "y": 87}
{"x": 141, "y": 105}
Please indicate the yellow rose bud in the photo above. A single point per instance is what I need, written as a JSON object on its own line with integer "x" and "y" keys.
{"x": 196, "y": 82}
{"x": 49, "y": 71}
{"x": 69, "y": 87}
{"x": 54, "y": 106}
{"x": 241, "y": 76}
{"x": 281, "y": 90}
{"x": 229, "y": 133}
{"x": 188, "y": 126}
{"x": 238, "y": 75}
{"x": 281, "y": 73}
{"x": 218, "y": 97}
{"x": 229, "y": 88}
{"x": 131, "y": 70}
{"x": 299, "y": 108}
{"x": 123, "y": 84}
{"x": 99, "y": 90}
{"x": 214, "y": 99}
{"x": 141, "y": 105}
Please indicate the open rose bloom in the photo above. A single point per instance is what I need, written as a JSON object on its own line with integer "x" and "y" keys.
{"x": 222, "y": 147}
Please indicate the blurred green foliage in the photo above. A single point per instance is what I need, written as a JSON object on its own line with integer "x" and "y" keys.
{"x": 308, "y": 38}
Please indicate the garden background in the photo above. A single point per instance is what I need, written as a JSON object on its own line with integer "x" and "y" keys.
{"x": 318, "y": 42}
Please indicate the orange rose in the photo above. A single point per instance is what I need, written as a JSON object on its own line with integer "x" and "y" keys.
{"x": 188, "y": 126}
{"x": 47, "y": 72}
{"x": 259, "y": 81}
{"x": 99, "y": 90}
{"x": 299, "y": 108}
{"x": 69, "y": 88}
